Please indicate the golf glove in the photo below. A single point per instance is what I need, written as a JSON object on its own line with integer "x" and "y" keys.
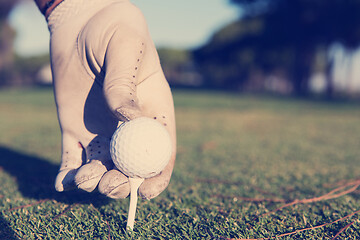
{"x": 106, "y": 70}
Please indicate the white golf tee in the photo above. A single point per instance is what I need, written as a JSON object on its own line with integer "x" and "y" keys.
{"x": 134, "y": 186}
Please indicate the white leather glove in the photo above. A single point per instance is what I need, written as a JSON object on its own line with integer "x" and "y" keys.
{"x": 105, "y": 70}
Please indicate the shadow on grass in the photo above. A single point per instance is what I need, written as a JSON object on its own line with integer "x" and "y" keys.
{"x": 35, "y": 178}
{"x": 5, "y": 231}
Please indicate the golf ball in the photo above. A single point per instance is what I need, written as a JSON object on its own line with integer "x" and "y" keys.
{"x": 141, "y": 148}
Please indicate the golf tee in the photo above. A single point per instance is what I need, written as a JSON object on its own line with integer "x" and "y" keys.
{"x": 134, "y": 186}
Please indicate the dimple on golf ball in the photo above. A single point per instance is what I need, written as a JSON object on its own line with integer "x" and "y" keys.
{"x": 141, "y": 148}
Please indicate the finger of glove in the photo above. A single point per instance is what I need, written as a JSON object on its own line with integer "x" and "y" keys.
{"x": 152, "y": 187}
{"x": 65, "y": 180}
{"x": 114, "y": 184}
{"x": 71, "y": 160}
{"x": 89, "y": 175}
{"x": 123, "y": 60}
{"x": 98, "y": 161}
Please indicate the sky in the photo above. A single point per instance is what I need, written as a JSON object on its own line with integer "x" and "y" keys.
{"x": 172, "y": 23}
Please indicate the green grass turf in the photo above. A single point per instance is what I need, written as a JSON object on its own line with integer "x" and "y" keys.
{"x": 232, "y": 150}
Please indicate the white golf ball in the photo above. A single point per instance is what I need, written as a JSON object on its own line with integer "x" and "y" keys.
{"x": 141, "y": 148}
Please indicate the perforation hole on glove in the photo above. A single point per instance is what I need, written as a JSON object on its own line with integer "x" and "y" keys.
{"x": 161, "y": 119}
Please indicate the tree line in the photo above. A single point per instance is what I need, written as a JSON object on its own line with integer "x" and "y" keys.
{"x": 282, "y": 38}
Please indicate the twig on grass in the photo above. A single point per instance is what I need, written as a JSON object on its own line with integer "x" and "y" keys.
{"x": 340, "y": 183}
{"x": 346, "y": 188}
{"x": 28, "y": 205}
{"x": 342, "y": 230}
{"x": 336, "y": 193}
{"x": 276, "y": 200}
{"x": 108, "y": 225}
{"x": 67, "y": 209}
{"x": 308, "y": 229}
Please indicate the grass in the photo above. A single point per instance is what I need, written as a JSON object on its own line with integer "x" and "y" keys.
{"x": 239, "y": 159}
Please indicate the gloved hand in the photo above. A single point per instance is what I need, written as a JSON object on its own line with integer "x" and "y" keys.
{"x": 106, "y": 70}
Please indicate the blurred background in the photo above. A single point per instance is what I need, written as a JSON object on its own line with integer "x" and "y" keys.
{"x": 300, "y": 48}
